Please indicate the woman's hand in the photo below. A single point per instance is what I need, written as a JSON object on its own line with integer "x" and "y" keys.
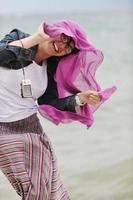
{"x": 41, "y": 32}
{"x": 37, "y": 38}
{"x": 90, "y": 97}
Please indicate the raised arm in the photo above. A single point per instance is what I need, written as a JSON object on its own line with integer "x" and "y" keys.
{"x": 11, "y": 56}
{"x": 17, "y": 47}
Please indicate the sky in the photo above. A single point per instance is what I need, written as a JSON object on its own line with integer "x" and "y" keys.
{"x": 56, "y": 6}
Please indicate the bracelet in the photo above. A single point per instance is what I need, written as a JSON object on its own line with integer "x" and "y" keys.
{"x": 78, "y": 100}
{"x": 21, "y": 43}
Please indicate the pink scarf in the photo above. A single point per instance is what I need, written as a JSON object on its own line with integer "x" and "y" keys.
{"x": 75, "y": 73}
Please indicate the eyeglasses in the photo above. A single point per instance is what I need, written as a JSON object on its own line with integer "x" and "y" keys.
{"x": 69, "y": 41}
{"x": 65, "y": 38}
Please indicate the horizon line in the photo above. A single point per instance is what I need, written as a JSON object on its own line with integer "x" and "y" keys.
{"x": 89, "y": 11}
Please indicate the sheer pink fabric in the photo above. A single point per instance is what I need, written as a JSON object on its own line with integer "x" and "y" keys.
{"x": 76, "y": 73}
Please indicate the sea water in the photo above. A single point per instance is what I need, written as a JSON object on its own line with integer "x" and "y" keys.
{"x": 95, "y": 163}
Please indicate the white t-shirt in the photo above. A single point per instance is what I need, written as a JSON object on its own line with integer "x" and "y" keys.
{"x": 12, "y": 106}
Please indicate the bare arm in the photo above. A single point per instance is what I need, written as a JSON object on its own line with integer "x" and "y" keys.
{"x": 32, "y": 40}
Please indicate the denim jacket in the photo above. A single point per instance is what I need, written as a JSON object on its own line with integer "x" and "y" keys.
{"x": 14, "y": 57}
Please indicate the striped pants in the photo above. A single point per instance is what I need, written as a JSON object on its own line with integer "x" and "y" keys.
{"x": 28, "y": 161}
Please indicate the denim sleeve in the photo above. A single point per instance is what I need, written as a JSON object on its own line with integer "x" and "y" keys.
{"x": 64, "y": 104}
{"x": 13, "y": 56}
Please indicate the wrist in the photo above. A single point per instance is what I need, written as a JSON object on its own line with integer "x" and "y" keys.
{"x": 79, "y": 100}
{"x": 37, "y": 38}
{"x": 41, "y": 36}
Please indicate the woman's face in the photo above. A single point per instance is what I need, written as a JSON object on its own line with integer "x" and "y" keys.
{"x": 59, "y": 45}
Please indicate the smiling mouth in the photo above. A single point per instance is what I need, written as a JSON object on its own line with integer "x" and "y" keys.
{"x": 55, "y": 47}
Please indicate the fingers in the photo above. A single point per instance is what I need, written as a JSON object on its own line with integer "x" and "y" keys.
{"x": 93, "y": 98}
{"x": 92, "y": 101}
{"x": 89, "y": 97}
{"x": 41, "y": 32}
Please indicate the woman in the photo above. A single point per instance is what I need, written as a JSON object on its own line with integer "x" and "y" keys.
{"x": 51, "y": 71}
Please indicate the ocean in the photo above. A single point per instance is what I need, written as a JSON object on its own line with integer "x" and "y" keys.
{"x": 95, "y": 163}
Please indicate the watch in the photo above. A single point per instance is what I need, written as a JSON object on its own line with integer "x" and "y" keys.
{"x": 78, "y": 100}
